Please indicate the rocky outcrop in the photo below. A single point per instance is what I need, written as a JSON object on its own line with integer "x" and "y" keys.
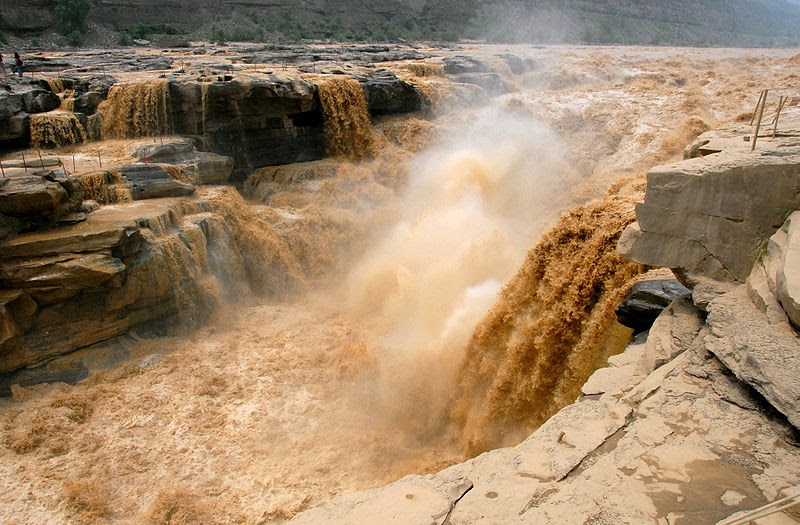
{"x": 40, "y": 198}
{"x": 22, "y": 97}
{"x": 142, "y": 265}
{"x": 153, "y": 181}
{"x": 201, "y": 167}
{"x": 387, "y": 94}
{"x": 703, "y": 218}
{"x": 257, "y": 122}
{"x": 646, "y": 300}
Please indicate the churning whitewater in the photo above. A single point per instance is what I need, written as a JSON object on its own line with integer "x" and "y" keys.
{"x": 426, "y": 301}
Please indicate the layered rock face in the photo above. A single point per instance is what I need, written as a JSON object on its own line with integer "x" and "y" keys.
{"x": 256, "y": 122}
{"x": 707, "y": 217}
{"x": 16, "y": 106}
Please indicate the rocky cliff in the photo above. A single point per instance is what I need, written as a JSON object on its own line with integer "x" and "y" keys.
{"x": 698, "y": 419}
{"x": 736, "y": 22}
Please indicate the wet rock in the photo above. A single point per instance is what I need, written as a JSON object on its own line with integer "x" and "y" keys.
{"x": 153, "y": 181}
{"x": 465, "y": 64}
{"x": 385, "y": 93}
{"x": 90, "y": 92}
{"x": 37, "y": 198}
{"x": 646, "y": 300}
{"x": 54, "y": 279}
{"x": 24, "y": 96}
{"x": 202, "y": 167}
{"x": 25, "y": 195}
{"x": 493, "y": 83}
{"x": 258, "y": 122}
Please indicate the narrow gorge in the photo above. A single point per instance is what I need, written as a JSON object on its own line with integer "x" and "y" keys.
{"x": 240, "y": 285}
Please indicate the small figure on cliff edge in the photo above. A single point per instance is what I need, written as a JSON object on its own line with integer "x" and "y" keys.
{"x": 18, "y": 63}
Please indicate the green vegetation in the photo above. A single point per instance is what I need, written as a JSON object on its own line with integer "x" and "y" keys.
{"x": 71, "y": 18}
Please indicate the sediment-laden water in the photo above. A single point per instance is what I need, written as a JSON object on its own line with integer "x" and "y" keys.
{"x": 427, "y": 302}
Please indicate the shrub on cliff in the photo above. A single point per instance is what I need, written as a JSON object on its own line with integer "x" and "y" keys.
{"x": 71, "y": 17}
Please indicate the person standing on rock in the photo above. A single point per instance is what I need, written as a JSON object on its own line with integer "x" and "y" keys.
{"x": 18, "y": 63}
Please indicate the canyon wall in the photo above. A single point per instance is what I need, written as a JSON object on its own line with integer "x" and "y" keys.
{"x": 766, "y": 22}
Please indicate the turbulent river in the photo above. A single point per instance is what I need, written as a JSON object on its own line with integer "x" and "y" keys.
{"x": 449, "y": 284}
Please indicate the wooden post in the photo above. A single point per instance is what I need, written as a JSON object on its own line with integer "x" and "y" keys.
{"x": 24, "y": 162}
{"x": 2, "y": 169}
{"x": 40, "y": 157}
{"x": 755, "y": 111}
{"x": 758, "y": 121}
{"x": 781, "y": 102}
{"x": 100, "y": 160}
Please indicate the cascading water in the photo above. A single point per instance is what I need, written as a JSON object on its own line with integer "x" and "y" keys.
{"x": 56, "y": 128}
{"x": 552, "y": 326}
{"x": 366, "y": 363}
{"x": 347, "y": 127}
{"x": 136, "y": 109}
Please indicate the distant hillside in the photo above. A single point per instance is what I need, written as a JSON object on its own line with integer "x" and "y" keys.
{"x": 680, "y": 22}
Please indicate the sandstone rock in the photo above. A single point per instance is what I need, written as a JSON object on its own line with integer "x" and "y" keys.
{"x": 54, "y": 279}
{"x": 493, "y": 83}
{"x": 646, "y": 300}
{"x": 385, "y": 93}
{"x": 703, "y": 218}
{"x": 17, "y": 311}
{"x": 164, "y": 152}
{"x": 202, "y": 167}
{"x": 26, "y": 96}
{"x": 30, "y": 195}
{"x": 788, "y": 275}
{"x": 764, "y": 355}
{"x": 465, "y": 64}
{"x": 258, "y": 122}
{"x": 152, "y": 181}
{"x": 674, "y": 445}
{"x": 90, "y": 92}
{"x": 126, "y": 266}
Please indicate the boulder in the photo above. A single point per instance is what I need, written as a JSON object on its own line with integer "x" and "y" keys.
{"x": 646, "y": 300}
{"x": 89, "y": 92}
{"x": 24, "y": 195}
{"x": 37, "y": 199}
{"x": 152, "y": 181}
